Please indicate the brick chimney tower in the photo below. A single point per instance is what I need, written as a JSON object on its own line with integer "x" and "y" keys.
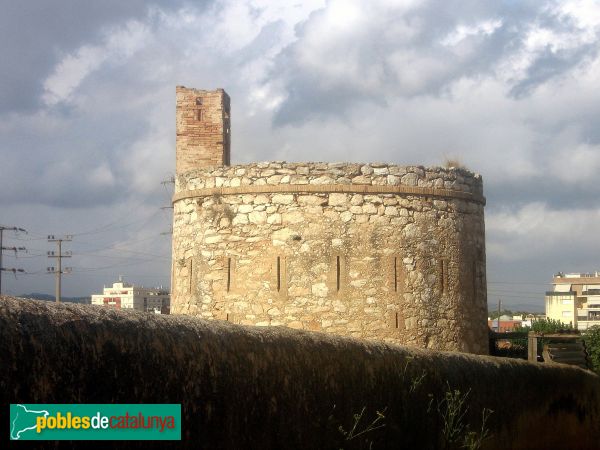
{"x": 203, "y": 129}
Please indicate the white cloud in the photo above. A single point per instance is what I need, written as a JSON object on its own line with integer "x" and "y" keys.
{"x": 462, "y": 32}
{"x": 586, "y": 14}
{"x": 575, "y": 163}
{"x": 119, "y": 44}
{"x": 102, "y": 176}
{"x": 536, "y": 231}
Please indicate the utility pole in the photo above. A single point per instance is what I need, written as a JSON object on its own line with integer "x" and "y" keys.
{"x": 59, "y": 255}
{"x": 499, "y": 310}
{"x": 2, "y": 269}
{"x": 165, "y": 183}
{"x": 170, "y": 180}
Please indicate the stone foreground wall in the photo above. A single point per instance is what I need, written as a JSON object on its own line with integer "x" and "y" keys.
{"x": 367, "y": 250}
{"x": 246, "y": 387}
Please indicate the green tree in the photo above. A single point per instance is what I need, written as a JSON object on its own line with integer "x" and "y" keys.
{"x": 592, "y": 344}
{"x": 550, "y": 326}
{"x": 545, "y": 326}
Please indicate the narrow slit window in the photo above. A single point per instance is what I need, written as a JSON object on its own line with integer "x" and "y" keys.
{"x": 443, "y": 275}
{"x": 228, "y": 274}
{"x": 474, "y": 279}
{"x": 200, "y": 115}
{"x": 338, "y": 273}
{"x": 190, "y": 274}
{"x": 446, "y": 275}
{"x": 396, "y": 282}
{"x": 278, "y": 274}
{"x": 397, "y": 324}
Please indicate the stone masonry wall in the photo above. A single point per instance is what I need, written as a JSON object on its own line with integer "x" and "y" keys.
{"x": 374, "y": 251}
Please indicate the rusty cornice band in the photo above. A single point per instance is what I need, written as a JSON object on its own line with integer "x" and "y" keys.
{"x": 330, "y": 188}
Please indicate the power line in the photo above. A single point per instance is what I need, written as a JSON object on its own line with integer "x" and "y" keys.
{"x": 37, "y": 272}
{"x": 122, "y": 257}
{"x": 515, "y": 296}
{"x": 111, "y": 226}
{"x": 516, "y": 292}
{"x": 14, "y": 270}
{"x": 15, "y": 249}
{"x": 29, "y": 255}
{"x": 524, "y": 294}
{"x": 29, "y": 239}
{"x": 117, "y": 244}
{"x": 137, "y": 252}
{"x": 114, "y": 225}
{"x": 130, "y": 275}
{"x": 88, "y": 269}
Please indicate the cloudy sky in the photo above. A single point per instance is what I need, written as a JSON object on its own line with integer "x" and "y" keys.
{"x": 87, "y": 94}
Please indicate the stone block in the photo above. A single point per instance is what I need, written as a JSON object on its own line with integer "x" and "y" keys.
{"x": 257, "y": 217}
{"x": 336, "y": 199}
{"x": 283, "y": 199}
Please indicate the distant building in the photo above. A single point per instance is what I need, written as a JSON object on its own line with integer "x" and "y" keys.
{"x": 128, "y": 296}
{"x": 507, "y": 324}
{"x": 526, "y": 323}
{"x": 575, "y": 299}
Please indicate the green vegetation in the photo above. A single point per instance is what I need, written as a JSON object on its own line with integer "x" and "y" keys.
{"x": 452, "y": 161}
{"x": 548, "y": 326}
{"x": 358, "y": 431}
{"x": 517, "y": 347}
{"x": 592, "y": 345}
{"x": 452, "y": 409}
{"x": 416, "y": 382}
{"x": 456, "y": 434}
{"x": 545, "y": 326}
{"x": 474, "y": 439}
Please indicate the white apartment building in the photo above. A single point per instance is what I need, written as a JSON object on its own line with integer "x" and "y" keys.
{"x": 123, "y": 295}
{"x": 575, "y": 299}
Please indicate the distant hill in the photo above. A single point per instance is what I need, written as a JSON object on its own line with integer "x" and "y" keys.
{"x": 50, "y": 298}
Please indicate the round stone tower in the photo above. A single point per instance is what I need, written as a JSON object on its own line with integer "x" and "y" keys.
{"x": 374, "y": 251}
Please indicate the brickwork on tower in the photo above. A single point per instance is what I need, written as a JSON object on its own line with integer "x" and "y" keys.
{"x": 376, "y": 251}
{"x": 203, "y": 129}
